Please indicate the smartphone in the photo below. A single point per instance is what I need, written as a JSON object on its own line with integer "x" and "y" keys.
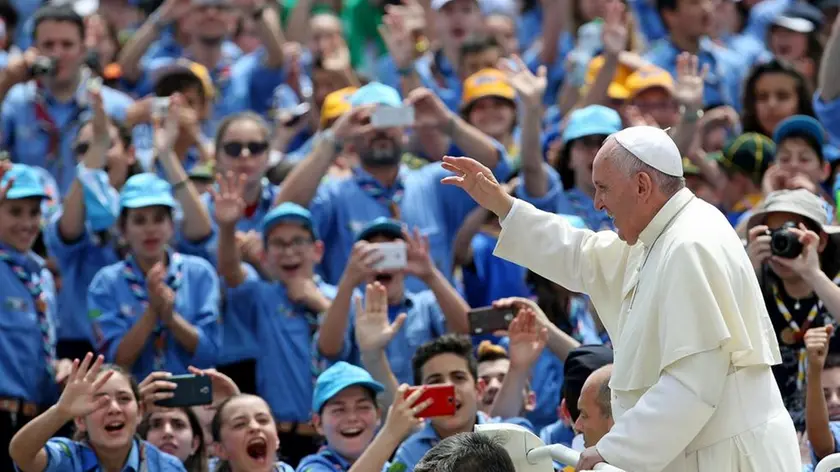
{"x": 160, "y": 107}
{"x": 443, "y": 400}
{"x": 293, "y": 116}
{"x": 394, "y": 255}
{"x": 487, "y": 320}
{"x": 392, "y": 117}
{"x": 190, "y": 390}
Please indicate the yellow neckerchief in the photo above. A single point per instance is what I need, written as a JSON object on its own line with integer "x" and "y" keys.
{"x": 749, "y": 202}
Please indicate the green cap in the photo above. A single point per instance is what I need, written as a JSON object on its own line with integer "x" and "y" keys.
{"x": 750, "y": 154}
{"x": 689, "y": 168}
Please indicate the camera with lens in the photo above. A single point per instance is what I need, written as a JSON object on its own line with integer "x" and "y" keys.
{"x": 784, "y": 242}
{"x": 43, "y": 67}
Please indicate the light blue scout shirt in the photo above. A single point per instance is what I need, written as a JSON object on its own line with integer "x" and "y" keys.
{"x": 726, "y": 70}
{"x": 283, "y": 330}
{"x": 80, "y": 260}
{"x": 117, "y": 296}
{"x": 329, "y": 384}
{"x": 213, "y": 462}
{"x": 418, "y": 444}
{"x": 828, "y": 113}
{"x": 33, "y": 125}
{"x": 27, "y": 310}
{"x": 834, "y": 426}
{"x": 424, "y": 322}
{"x": 65, "y": 455}
{"x": 238, "y": 342}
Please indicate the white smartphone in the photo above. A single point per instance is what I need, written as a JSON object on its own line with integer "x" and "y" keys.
{"x": 394, "y": 255}
{"x": 392, "y": 117}
{"x": 160, "y": 107}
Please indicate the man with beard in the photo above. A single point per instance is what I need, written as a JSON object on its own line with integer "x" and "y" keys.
{"x": 384, "y": 187}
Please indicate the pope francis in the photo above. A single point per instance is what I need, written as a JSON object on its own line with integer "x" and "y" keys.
{"x": 692, "y": 388}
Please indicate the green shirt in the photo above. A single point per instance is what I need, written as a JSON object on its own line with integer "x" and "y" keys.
{"x": 361, "y": 21}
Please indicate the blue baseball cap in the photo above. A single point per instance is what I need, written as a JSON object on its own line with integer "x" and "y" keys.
{"x": 288, "y": 212}
{"x": 27, "y": 183}
{"x": 381, "y": 226}
{"x": 591, "y": 121}
{"x": 800, "y": 125}
{"x": 339, "y": 376}
{"x": 376, "y": 93}
{"x": 146, "y": 190}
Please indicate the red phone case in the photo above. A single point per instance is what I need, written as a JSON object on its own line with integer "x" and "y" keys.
{"x": 443, "y": 400}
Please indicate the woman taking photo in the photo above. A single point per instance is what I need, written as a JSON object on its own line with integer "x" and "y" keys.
{"x": 103, "y": 403}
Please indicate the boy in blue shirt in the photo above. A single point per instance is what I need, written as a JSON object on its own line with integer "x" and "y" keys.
{"x": 281, "y": 309}
{"x": 428, "y": 314}
{"x": 448, "y": 359}
{"x": 822, "y": 400}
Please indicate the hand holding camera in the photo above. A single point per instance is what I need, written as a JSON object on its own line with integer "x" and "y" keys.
{"x": 790, "y": 246}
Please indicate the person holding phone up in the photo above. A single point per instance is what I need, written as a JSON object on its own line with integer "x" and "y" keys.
{"x": 282, "y": 307}
{"x": 29, "y": 371}
{"x": 385, "y": 253}
{"x": 104, "y": 403}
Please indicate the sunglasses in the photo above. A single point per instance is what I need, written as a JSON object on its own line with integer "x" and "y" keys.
{"x": 234, "y": 149}
{"x": 81, "y": 148}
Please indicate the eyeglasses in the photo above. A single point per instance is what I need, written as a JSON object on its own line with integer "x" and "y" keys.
{"x": 296, "y": 243}
{"x": 82, "y": 147}
{"x": 235, "y": 148}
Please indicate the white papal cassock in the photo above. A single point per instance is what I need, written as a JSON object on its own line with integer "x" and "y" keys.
{"x": 692, "y": 385}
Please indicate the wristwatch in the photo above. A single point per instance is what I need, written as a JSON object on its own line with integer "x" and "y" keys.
{"x": 690, "y": 115}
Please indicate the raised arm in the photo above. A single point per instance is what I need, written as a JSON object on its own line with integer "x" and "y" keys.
{"x": 229, "y": 205}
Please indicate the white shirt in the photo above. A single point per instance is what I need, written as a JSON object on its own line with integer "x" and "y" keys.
{"x": 693, "y": 341}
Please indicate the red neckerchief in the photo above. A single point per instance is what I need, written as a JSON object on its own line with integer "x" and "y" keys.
{"x": 46, "y": 121}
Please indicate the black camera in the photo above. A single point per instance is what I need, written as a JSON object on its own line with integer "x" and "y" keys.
{"x": 785, "y": 243}
{"x": 43, "y": 67}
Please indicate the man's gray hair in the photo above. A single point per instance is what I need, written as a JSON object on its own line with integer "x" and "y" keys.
{"x": 467, "y": 452}
{"x": 604, "y": 398}
{"x": 626, "y": 162}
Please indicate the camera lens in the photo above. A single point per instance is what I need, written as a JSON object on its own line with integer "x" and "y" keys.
{"x": 784, "y": 243}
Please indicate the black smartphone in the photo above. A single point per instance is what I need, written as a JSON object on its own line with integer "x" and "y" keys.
{"x": 190, "y": 390}
{"x": 488, "y": 319}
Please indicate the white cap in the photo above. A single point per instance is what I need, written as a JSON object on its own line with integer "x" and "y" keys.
{"x": 652, "y": 146}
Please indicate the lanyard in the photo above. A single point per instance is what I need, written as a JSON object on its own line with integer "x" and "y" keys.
{"x": 137, "y": 285}
{"x": 31, "y": 282}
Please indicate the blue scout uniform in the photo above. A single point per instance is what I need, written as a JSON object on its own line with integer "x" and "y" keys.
{"x": 491, "y": 278}
{"x": 418, "y": 444}
{"x": 27, "y": 311}
{"x": 329, "y": 384}
{"x": 117, "y": 296}
{"x": 64, "y": 455}
{"x": 341, "y": 208}
{"x": 283, "y": 331}
{"x": 80, "y": 260}
{"x": 278, "y": 466}
{"x": 424, "y": 319}
{"x": 39, "y": 130}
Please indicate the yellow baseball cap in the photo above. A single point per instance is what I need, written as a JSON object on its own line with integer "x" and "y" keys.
{"x": 617, "y": 89}
{"x": 336, "y": 104}
{"x": 187, "y": 67}
{"x": 486, "y": 83}
{"x": 647, "y": 78}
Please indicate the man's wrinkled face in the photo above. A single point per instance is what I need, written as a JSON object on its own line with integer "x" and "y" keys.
{"x": 614, "y": 193}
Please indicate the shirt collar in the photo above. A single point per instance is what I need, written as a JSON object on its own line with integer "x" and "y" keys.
{"x": 29, "y": 260}
{"x": 337, "y": 459}
{"x": 664, "y": 216}
{"x": 90, "y": 463}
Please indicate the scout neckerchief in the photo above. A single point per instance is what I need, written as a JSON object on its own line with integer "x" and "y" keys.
{"x": 48, "y": 124}
{"x": 32, "y": 282}
{"x": 137, "y": 284}
{"x": 390, "y": 198}
{"x": 793, "y": 334}
{"x": 291, "y": 309}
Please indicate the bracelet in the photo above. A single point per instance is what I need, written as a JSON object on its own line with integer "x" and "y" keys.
{"x": 404, "y": 71}
{"x": 180, "y": 185}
